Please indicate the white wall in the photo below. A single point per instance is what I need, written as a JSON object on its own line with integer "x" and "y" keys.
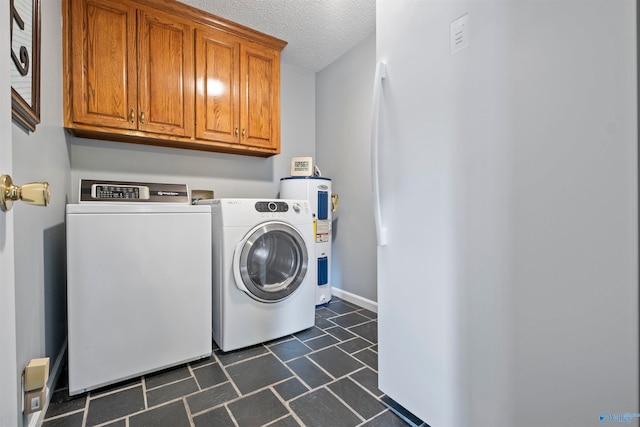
{"x": 574, "y": 209}
{"x": 228, "y": 175}
{"x": 525, "y": 309}
{"x": 40, "y": 232}
{"x": 343, "y": 125}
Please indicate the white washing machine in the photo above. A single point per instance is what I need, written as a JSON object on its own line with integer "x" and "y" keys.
{"x": 138, "y": 282}
{"x": 263, "y": 270}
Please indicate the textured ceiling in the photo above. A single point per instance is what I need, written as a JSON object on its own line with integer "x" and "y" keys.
{"x": 317, "y": 31}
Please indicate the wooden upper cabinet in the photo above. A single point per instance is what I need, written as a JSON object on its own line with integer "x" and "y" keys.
{"x": 165, "y": 75}
{"x": 103, "y": 61}
{"x": 238, "y": 86}
{"x": 160, "y": 72}
{"x": 217, "y": 75}
{"x": 260, "y": 97}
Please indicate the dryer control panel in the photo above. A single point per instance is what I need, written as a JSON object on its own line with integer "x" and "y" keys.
{"x": 272, "y": 206}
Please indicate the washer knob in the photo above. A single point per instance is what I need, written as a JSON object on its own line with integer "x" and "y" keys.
{"x": 296, "y": 207}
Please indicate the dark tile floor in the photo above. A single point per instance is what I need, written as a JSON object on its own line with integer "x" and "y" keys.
{"x": 325, "y": 376}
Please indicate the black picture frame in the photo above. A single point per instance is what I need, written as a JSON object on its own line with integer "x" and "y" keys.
{"x": 25, "y": 63}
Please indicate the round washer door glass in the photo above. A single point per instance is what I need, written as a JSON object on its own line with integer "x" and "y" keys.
{"x": 273, "y": 261}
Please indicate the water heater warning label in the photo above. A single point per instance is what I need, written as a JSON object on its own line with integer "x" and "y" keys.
{"x": 323, "y": 230}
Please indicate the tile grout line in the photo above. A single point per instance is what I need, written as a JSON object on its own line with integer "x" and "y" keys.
{"x": 86, "y": 410}
{"x": 247, "y": 359}
{"x": 193, "y": 375}
{"x": 173, "y": 400}
{"x": 313, "y": 362}
{"x": 188, "y": 409}
{"x": 286, "y": 405}
{"x": 64, "y": 414}
{"x": 219, "y": 405}
{"x": 226, "y": 374}
{"x": 344, "y": 403}
{"x": 144, "y": 392}
{"x": 169, "y": 383}
{"x": 362, "y": 386}
{"x": 184, "y": 398}
{"x": 124, "y": 418}
{"x": 277, "y": 420}
{"x": 233, "y": 419}
{"x": 378, "y": 399}
{"x": 90, "y": 395}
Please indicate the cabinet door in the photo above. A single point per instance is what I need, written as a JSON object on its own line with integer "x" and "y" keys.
{"x": 217, "y": 74}
{"x": 260, "y": 97}
{"x": 165, "y": 74}
{"x": 103, "y": 63}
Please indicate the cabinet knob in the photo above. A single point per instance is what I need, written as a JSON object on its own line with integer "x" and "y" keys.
{"x": 34, "y": 193}
{"x": 132, "y": 116}
{"x": 244, "y": 133}
{"x": 236, "y": 131}
{"x": 142, "y": 117}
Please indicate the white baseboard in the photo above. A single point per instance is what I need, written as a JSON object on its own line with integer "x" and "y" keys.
{"x": 37, "y": 418}
{"x": 355, "y": 299}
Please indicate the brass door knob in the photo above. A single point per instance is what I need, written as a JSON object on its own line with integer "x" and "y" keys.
{"x": 34, "y": 193}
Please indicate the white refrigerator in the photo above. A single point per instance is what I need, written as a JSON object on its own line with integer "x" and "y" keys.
{"x": 505, "y": 176}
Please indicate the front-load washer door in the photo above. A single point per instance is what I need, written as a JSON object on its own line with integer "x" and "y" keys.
{"x": 271, "y": 261}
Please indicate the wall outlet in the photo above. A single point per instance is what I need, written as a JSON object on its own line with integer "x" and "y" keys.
{"x": 34, "y": 400}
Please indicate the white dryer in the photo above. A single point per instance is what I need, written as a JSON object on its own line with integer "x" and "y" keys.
{"x": 263, "y": 270}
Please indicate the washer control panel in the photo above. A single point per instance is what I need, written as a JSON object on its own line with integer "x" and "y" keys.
{"x": 115, "y": 191}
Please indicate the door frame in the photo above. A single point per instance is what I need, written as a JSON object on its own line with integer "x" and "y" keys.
{"x": 9, "y": 396}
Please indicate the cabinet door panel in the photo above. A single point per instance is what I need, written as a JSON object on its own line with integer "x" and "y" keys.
{"x": 217, "y": 106}
{"x": 260, "y": 70}
{"x": 104, "y": 86}
{"x": 165, "y": 75}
